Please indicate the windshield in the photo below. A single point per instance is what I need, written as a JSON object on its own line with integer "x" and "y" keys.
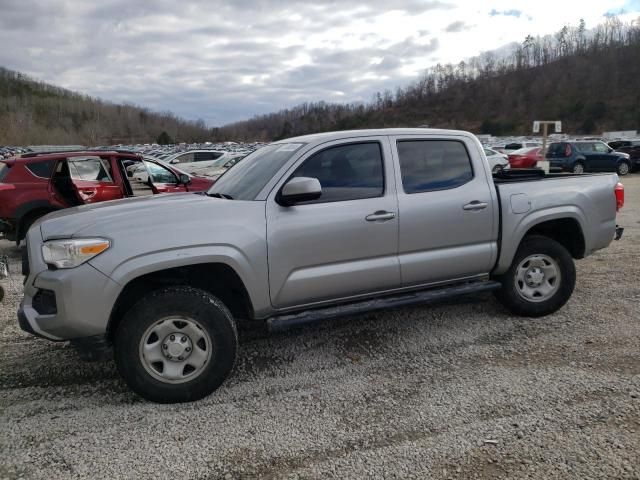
{"x": 247, "y": 178}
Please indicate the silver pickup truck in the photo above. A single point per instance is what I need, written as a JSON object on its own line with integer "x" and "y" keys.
{"x": 301, "y": 230}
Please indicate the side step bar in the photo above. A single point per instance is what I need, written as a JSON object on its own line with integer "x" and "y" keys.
{"x": 284, "y": 322}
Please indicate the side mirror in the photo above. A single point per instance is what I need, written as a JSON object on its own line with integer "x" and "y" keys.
{"x": 175, "y": 160}
{"x": 299, "y": 189}
{"x": 184, "y": 179}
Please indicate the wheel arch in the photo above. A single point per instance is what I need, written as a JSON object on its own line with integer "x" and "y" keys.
{"x": 30, "y": 210}
{"x": 565, "y": 227}
{"x": 217, "y": 278}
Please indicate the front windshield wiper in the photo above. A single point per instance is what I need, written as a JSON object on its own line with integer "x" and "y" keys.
{"x": 220, "y": 195}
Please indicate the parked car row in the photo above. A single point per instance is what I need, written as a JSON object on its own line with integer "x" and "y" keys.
{"x": 577, "y": 156}
{"x": 8, "y": 152}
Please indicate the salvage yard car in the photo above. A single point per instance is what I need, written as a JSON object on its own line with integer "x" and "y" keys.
{"x": 301, "y": 230}
{"x": 587, "y": 156}
{"x": 37, "y": 184}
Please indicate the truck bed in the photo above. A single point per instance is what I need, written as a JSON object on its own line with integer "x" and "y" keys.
{"x": 530, "y": 197}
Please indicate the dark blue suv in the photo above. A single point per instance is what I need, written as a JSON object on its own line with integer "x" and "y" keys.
{"x": 587, "y": 156}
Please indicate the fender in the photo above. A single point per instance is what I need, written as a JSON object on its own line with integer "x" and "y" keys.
{"x": 526, "y": 223}
{"x": 254, "y": 277}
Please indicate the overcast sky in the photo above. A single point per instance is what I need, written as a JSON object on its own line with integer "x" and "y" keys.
{"x": 226, "y": 61}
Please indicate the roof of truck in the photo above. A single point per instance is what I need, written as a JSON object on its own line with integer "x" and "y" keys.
{"x": 375, "y": 132}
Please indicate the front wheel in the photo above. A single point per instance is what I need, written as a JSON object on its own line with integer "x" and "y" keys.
{"x": 177, "y": 344}
{"x": 578, "y": 168}
{"x": 540, "y": 280}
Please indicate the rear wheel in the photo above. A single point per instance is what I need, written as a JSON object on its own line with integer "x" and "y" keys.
{"x": 177, "y": 344}
{"x": 540, "y": 280}
{"x": 578, "y": 168}
{"x": 623, "y": 168}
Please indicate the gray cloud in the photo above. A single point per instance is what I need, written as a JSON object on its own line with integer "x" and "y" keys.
{"x": 220, "y": 61}
{"x": 457, "y": 26}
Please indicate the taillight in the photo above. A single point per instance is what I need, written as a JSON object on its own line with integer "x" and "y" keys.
{"x": 619, "y": 191}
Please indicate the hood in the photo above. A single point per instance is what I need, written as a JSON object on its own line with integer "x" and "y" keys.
{"x": 118, "y": 217}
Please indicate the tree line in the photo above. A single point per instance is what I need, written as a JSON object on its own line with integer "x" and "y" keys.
{"x": 587, "y": 78}
{"x": 34, "y": 112}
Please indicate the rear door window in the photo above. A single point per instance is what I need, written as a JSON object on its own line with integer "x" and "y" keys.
{"x": 41, "y": 169}
{"x": 427, "y": 165}
{"x": 90, "y": 169}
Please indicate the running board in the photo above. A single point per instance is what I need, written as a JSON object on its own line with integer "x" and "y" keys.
{"x": 284, "y": 322}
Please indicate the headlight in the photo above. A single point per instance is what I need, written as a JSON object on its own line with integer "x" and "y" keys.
{"x": 74, "y": 252}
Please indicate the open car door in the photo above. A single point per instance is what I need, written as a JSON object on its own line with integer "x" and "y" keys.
{"x": 92, "y": 179}
{"x": 162, "y": 179}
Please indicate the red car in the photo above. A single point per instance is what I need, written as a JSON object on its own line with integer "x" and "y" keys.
{"x": 525, "y": 157}
{"x": 35, "y": 184}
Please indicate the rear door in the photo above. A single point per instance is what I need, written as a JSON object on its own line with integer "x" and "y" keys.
{"x": 92, "y": 179}
{"x": 344, "y": 244}
{"x": 448, "y": 215}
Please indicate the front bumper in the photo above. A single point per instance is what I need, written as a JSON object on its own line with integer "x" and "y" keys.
{"x": 64, "y": 304}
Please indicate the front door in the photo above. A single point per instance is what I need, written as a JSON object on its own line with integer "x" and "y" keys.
{"x": 163, "y": 180}
{"x": 344, "y": 244}
{"x": 448, "y": 219}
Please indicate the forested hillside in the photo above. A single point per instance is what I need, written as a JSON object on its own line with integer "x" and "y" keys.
{"x": 33, "y": 112}
{"x": 587, "y": 78}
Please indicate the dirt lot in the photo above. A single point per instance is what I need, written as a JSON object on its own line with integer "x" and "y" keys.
{"x": 461, "y": 390}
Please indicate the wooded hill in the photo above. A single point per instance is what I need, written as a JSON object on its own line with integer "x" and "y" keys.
{"x": 33, "y": 112}
{"x": 586, "y": 78}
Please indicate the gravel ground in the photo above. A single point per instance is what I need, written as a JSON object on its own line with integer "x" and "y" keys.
{"x": 458, "y": 390}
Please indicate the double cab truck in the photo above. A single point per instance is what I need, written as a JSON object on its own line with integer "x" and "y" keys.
{"x": 39, "y": 183}
{"x": 301, "y": 230}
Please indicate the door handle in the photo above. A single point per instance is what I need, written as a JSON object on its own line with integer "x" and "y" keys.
{"x": 380, "y": 215}
{"x": 89, "y": 193}
{"x": 475, "y": 205}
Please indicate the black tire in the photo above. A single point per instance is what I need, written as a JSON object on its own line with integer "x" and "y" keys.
{"x": 181, "y": 301}
{"x": 623, "y": 168}
{"x": 509, "y": 294}
{"x": 1, "y": 293}
{"x": 578, "y": 168}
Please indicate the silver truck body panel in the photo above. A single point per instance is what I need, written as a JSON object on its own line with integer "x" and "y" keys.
{"x": 292, "y": 257}
{"x": 588, "y": 199}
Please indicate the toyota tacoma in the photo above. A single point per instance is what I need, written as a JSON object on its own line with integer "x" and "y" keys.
{"x": 301, "y": 230}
